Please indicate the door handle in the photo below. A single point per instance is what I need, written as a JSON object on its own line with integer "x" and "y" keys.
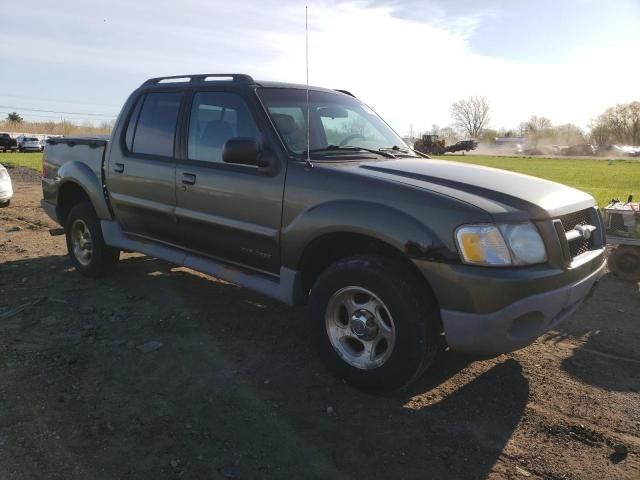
{"x": 188, "y": 178}
{"x": 118, "y": 167}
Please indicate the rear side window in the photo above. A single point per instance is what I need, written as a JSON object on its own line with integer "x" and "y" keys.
{"x": 155, "y": 129}
{"x": 133, "y": 121}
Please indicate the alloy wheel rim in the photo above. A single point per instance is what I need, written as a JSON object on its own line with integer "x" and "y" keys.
{"x": 81, "y": 242}
{"x": 360, "y": 327}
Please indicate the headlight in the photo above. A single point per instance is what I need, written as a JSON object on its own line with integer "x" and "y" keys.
{"x": 500, "y": 245}
{"x": 525, "y": 243}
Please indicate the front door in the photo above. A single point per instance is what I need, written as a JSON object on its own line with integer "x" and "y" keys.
{"x": 230, "y": 212}
{"x": 142, "y": 168}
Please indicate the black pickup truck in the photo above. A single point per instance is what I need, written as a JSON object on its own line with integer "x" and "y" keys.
{"x": 307, "y": 196}
{"x": 7, "y": 143}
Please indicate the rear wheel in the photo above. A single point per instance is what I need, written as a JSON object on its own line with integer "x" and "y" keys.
{"x": 624, "y": 262}
{"x": 374, "y": 324}
{"x": 88, "y": 252}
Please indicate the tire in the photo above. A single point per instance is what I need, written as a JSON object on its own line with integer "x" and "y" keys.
{"x": 392, "y": 317}
{"x": 624, "y": 262}
{"x": 85, "y": 244}
{"x": 5, "y": 204}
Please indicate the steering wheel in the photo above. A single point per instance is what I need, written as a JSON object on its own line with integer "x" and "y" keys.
{"x": 346, "y": 140}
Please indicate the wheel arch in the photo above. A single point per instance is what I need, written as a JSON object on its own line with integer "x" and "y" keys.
{"x": 330, "y": 248}
{"x": 78, "y": 182}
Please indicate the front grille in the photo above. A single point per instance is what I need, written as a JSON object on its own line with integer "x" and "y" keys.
{"x": 571, "y": 221}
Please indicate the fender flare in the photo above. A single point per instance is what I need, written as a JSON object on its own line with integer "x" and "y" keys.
{"x": 82, "y": 175}
{"x": 386, "y": 224}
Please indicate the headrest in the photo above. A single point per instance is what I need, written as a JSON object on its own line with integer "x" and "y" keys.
{"x": 285, "y": 123}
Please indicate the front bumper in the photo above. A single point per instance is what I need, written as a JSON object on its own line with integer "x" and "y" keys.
{"x": 493, "y": 310}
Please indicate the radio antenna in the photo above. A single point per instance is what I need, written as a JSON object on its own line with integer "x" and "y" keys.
{"x": 306, "y": 40}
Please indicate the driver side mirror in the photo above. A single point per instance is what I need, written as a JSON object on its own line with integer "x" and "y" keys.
{"x": 245, "y": 151}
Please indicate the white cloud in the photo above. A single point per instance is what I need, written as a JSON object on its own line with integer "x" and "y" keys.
{"x": 409, "y": 71}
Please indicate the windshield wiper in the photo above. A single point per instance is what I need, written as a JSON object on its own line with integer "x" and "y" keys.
{"x": 406, "y": 151}
{"x": 347, "y": 148}
{"x": 395, "y": 148}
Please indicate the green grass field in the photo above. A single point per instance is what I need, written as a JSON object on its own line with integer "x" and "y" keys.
{"x": 601, "y": 178}
{"x": 30, "y": 160}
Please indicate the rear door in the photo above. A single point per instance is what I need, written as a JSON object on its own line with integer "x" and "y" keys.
{"x": 141, "y": 176}
{"x": 230, "y": 212}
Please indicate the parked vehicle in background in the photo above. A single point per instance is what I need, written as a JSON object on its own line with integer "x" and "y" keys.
{"x": 396, "y": 255}
{"x": 6, "y": 189}
{"x": 7, "y": 143}
{"x": 622, "y": 223}
{"x": 433, "y": 145}
{"x": 463, "y": 146}
{"x": 28, "y": 144}
{"x": 43, "y": 142}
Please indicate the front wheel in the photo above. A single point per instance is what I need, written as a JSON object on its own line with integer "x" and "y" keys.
{"x": 374, "y": 324}
{"x": 89, "y": 254}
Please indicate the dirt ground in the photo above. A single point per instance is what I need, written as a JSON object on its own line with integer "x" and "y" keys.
{"x": 235, "y": 391}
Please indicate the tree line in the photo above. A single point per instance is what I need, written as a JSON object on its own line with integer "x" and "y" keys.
{"x": 15, "y": 123}
{"x": 471, "y": 116}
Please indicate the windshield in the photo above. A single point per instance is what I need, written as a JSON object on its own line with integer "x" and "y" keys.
{"x": 335, "y": 120}
{"x": 31, "y": 139}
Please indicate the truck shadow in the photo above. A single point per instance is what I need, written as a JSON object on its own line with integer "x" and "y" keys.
{"x": 603, "y": 337}
{"x": 234, "y": 390}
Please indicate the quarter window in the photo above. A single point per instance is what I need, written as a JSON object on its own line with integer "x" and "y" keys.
{"x": 155, "y": 129}
{"x": 215, "y": 118}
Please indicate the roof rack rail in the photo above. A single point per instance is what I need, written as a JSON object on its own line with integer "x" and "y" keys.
{"x": 346, "y": 92}
{"x": 237, "y": 78}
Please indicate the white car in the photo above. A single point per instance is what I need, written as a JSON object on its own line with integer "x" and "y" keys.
{"x": 28, "y": 144}
{"x": 6, "y": 190}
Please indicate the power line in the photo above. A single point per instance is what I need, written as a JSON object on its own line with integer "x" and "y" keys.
{"x": 58, "y": 112}
{"x": 31, "y": 97}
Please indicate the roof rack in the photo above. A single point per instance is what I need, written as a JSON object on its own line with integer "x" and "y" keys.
{"x": 237, "y": 78}
{"x": 346, "y": 92}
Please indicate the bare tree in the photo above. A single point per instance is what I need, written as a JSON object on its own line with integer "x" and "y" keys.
{"x": 538, "y": 125}
{"x": 538, "y": 130}
{"x": 622, "y": 123}
{"x": 449, "y": 135}
{"x": 471, "y": 114}
{"x": 600, "y": 134}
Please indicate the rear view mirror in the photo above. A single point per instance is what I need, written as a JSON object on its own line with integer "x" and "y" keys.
{"x": 243, "y": 151}
{"x": 333, "y": 112}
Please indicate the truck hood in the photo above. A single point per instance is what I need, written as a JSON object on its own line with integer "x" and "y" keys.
{"x": 505, "y": 195}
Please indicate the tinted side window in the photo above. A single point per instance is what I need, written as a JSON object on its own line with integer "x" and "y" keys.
{"x": 133, "y": 120}
{"x": 156, "y": 127}
{"x": 215, "y": 118}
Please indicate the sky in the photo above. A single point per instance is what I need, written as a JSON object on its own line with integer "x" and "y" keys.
{"x": 410, "y": 60}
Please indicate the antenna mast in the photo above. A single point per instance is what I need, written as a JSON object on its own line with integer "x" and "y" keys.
{"x": 306, "y": 39}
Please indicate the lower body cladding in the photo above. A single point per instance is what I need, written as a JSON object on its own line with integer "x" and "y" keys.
{"x": 525, "y": 317}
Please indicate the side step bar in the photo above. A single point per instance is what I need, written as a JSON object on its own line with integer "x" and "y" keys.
{"x": 287, "y": 290}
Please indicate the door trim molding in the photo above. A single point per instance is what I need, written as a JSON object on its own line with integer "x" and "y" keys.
{"x": 287, "y": 288}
